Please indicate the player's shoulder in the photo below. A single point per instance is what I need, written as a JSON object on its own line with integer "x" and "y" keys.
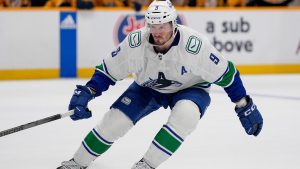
{"x": 137, "y": 37}
{"x": 192, "y": 40}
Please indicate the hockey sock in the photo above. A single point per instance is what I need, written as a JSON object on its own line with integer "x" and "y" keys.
{"x": 92, "y": 146}
{"x": 165, "y": 143}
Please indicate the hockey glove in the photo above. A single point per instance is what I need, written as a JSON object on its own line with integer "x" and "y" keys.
{"x": 250, "y": 117}
{"x": 79, "y": 101}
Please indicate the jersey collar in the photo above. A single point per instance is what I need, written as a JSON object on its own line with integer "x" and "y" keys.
{"x": 174, "y": 43}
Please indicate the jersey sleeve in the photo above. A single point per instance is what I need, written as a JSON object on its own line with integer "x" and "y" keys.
{"x": 215, "y": 69}
{"x": 211, "y": 65}
{"x": 100, "y": 81}
{"x": 126, "y": 59}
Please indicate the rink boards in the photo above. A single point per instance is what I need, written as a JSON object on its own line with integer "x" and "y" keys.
{"x": 36, "y": 43}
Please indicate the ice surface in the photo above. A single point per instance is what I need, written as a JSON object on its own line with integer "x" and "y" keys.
{"x": 219, "y": 141}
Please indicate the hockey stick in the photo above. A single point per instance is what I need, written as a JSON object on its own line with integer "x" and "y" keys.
{"x": 35, "y": 123}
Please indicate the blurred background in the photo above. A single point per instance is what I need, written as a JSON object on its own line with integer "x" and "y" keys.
{"x": 49, "y": 46}
{"x": 88, "y": 4}
{"x": 68, "y": 38}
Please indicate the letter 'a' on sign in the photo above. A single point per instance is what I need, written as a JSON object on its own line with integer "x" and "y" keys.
{"x": 193, "y": 45}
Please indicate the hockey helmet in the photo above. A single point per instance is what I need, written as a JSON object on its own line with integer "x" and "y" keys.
{"x": 161, "y": 11}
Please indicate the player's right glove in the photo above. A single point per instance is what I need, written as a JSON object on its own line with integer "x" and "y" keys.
{"x": 79, "y": 101}
{"x": 250, "y": 117}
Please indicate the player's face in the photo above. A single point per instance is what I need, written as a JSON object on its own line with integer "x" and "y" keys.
{"x": 161, "y": 33}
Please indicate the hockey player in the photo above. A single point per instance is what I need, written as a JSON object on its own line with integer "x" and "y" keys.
{"x": 174, "y": 66}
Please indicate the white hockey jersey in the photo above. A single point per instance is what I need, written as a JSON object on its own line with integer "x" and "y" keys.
{"x": 190, "y": 62}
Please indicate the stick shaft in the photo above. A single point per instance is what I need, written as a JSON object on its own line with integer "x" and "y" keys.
{"x": 35, "y": 123}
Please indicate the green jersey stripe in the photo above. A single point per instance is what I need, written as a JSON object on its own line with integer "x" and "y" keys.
{"x": 89, "y": 150}
{"x": 228, "y": 77}
{"x": 172, "y": 133}
{"x": 202, "y": 85}
{"x": 101, "y": 69}
{"x": 162, "y": 148}
{"x": 94, "y": 144}
{"x": 100, "y": 138}
{"x": 167, "y": 140}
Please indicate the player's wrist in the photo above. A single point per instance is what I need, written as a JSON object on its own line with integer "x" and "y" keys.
{"x": 92, "y": 90}
{"x": 241, "y": 103}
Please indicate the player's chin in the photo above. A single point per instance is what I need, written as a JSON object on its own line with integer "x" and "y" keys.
{"x": 158, "y": 42}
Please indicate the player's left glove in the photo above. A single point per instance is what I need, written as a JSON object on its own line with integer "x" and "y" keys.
{"x": 250, "y": 117}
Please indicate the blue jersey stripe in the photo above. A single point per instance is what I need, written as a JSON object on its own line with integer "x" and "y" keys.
{"x": 88, "y": 150}
{"x": 98, "y": 135}
{"x": 163, "y": 150}
{"x": 176, "y": 135}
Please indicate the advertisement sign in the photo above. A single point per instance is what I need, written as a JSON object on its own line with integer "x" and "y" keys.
{"x": 250, "y": 37}
{"x": 68, "y": 42}
{"x": 38, "y": 44}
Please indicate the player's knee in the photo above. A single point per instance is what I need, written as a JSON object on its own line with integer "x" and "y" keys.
{"x": 184, "y": 117}
{"x": 114, "y": 125}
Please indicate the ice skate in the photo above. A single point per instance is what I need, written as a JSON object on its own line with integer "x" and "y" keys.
{"x": 141, "y": 165}
{"x": 71, "y": 164}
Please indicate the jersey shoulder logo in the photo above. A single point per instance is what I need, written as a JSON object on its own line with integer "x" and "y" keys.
{"x": 193, "y": 45}
{"x": 134, "y": 39}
